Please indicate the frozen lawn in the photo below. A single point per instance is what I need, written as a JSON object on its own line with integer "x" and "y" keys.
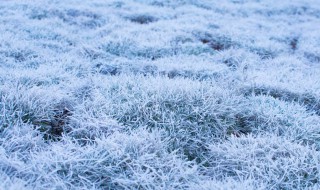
{"x": 159, "y": 94}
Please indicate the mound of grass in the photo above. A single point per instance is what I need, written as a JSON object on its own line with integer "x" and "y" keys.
{"x": 244, "y": 157}
{"x": 311, "y": 102}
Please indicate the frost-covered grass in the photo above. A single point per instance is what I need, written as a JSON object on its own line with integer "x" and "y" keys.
{"x": 171, "y": 94}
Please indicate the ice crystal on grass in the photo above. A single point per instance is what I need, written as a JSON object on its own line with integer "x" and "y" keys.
{"x": 149, "y": 94}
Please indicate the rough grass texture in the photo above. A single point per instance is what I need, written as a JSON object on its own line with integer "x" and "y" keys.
{"x": 147, "y": 94}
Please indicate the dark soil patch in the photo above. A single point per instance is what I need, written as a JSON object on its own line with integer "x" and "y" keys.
{"x": 142, "y": 19}
{"x": 294, "y": 43}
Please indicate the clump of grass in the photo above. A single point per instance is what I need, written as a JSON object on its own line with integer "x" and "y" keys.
{"x": 266, "y": 115}
{"x": 312, "y": 57}
{"x": 19, "y": 107}
{"x": 136, "y": 160}
{"x": 82, "y": 18}
{"x": 191, "y": 114}
{"x": 246, "y": 157}
{"x": 311, "y": 102}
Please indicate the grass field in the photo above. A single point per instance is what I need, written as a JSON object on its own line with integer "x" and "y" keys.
{"x": 159, "y": 94}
